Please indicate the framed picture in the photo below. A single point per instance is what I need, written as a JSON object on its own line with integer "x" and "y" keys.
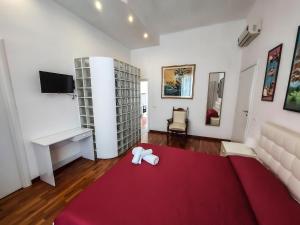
{"x": 178, "y": 81}
{"x": 292, "y": 98}
{"x": 272, "y": 68}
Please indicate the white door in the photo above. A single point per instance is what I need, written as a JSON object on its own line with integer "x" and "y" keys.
{"x": 10, "y": 180}
{"x": 243, "y": 102}
{"x": 144, "y": 107}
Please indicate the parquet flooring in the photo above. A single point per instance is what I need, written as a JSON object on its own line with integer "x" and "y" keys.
{"x": 40, "y": 203}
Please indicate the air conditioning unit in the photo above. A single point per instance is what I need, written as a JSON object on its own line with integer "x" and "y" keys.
{"x": 248, "y": 35}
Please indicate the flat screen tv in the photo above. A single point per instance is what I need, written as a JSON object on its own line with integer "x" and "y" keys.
{"x": 56, "y": 83}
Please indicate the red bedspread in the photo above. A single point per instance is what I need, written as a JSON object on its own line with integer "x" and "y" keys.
{"x": 186, "y": 188}
{"x": 269, "y": 198}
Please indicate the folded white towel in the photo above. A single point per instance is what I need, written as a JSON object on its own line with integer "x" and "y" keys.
{"x": 136, "y": 155}
{"x": 140, "y": 153}
{"x": 144, "y": 153}
{"x": 137, "y": 149}
{"x": 152, "y": 159}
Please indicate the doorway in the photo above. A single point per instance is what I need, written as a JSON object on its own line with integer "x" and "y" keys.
{"x": 14, "y": 172}
{"x": 144, "y": 107}
{"x": 10, "y": 180}
{"x": 243, "y": 104}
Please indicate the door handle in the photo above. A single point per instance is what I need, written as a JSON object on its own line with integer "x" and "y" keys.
{"x": 246, "y": 112}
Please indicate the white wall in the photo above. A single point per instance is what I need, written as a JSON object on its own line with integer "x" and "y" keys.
{"x": 41, "y": 35}
{"x": 212, "y": 49}
{"x": 280, "y": 19}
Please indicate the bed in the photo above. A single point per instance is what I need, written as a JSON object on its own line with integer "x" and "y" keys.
{"x": 188, "y": 188}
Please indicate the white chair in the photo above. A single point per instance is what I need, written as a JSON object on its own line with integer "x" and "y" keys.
{"x": 179, "y": 121}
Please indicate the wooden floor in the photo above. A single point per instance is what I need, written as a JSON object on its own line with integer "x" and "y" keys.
{"x": 40, "y": 203}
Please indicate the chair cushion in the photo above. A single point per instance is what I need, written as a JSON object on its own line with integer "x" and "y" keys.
{"x": 179, "y": 117}
{"x": 215, "y": 121}
{"x": 177, "y": 126}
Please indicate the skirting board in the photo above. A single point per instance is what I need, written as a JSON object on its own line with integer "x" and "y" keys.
{"x": 66, "y": 161}
{"x": 62, "y": 164}
{"x": 192, "y": 136}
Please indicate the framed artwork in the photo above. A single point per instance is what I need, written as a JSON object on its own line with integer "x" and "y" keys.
{"x": 292, "y": 98}
{"x": 178, "y": 81}
{"x": 271, "y": 74}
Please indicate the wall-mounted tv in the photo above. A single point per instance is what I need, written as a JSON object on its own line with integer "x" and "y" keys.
{"x": 56, "y": 83}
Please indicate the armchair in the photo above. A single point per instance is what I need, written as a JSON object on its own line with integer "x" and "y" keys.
{"x": 179, "y": 121}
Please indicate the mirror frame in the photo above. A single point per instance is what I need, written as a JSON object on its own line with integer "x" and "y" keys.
{"x": 224, "y": 73}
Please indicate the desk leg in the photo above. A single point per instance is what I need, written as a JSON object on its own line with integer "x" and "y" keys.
{"x": 45, "y": 164}
{"x": 87, "y": 148}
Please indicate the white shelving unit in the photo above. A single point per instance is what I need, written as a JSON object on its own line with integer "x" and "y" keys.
{"x": 109, "y": 103}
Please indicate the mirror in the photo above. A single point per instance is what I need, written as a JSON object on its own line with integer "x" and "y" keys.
{"x": 214, "y": 98}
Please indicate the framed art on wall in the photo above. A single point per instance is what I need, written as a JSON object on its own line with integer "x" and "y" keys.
{"x": 178, "y": 81}
{"x": 292, "y": 98}
{"x": 271, "y": 74}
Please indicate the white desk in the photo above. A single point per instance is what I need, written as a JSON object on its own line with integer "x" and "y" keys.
{"x": 233, "y": 148}
{"x": 83, "y": 136}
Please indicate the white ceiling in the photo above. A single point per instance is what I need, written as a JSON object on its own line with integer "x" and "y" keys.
{"x": 166, "y": 16}
{"x": 155, "y": 16}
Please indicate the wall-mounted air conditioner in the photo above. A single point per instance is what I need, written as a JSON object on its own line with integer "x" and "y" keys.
{"x": 249, "y": 34}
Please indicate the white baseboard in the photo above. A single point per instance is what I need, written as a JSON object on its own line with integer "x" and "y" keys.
{"x": 66, "y": 161}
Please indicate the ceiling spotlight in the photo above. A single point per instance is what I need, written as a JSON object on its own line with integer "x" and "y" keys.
{"x": 98, "y": 5}
{"x": 146, "y": 35}
{"x": 130, "y": 19}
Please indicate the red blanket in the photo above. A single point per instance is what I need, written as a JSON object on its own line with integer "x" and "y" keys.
{"x": 185, "y": 188}
{"x": 269, "y": 198}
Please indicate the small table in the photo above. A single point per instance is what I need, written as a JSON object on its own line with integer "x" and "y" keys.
{"x": 233, "y": 148}
{"x": 83, "y": 137}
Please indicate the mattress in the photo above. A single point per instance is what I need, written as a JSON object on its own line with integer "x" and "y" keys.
{"x": 185, "y": 188}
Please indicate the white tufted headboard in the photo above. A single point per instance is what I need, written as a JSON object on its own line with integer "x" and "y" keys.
{"x": 279, "y": 149}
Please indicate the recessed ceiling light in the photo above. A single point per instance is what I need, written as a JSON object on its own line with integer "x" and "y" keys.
{"x": 146, "y": 35}
{"x": 98, "y": 5}
{"x": 130, "y": 19}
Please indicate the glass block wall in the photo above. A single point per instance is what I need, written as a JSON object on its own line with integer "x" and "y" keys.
{"x": 127, "y": 84}
{"x": 84, "y": 92}
{"x": 127, "y": 89}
